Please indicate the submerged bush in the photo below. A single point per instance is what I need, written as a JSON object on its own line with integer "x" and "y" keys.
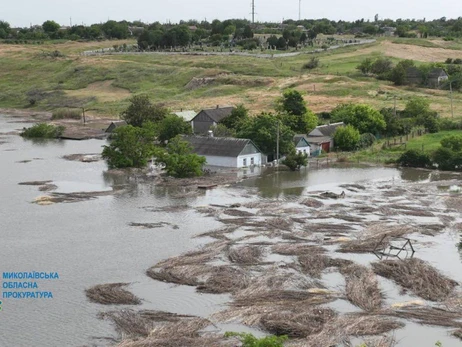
{"x": 414, "y": 158}
{"x": 66, "y": 114}
{"x": 248, "y": 340}
{"x": 43, "y": 130}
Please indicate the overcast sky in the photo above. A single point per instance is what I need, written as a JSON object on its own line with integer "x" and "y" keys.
{"x": 25, "y": 12}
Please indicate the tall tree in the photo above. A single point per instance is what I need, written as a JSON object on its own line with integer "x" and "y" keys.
{"x": 363, "y": 117}
{"x": 141, "y": 110}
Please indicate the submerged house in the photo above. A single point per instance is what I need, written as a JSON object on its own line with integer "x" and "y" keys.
{"x": 301, "y": 144}
{"x": 115, "y": 125}
{"x": 202, "y": 122}
{"x": 226, "y": 151}
{"x": 321, "y": 138}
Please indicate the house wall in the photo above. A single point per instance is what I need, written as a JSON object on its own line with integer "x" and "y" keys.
{"x": 305, "y": 149}
{"x": 201, "y": 123}
{"x": 256, "y": 157}
{"x": 221, "y": 161}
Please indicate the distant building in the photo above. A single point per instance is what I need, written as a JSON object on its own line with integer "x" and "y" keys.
{"x": 202, "y": 122}
{"x": 321, "y": 138}
{"x": 115, "y": 125}
{"x": 187, "y": 115}
{"x": 301, "y": 144}
{"x": 435, "y": 77}
{"x": 226, "y": 151}
{"x": 388, "y": 31}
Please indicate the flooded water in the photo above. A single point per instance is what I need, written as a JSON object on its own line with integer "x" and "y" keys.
{"x": 91, "y": 242}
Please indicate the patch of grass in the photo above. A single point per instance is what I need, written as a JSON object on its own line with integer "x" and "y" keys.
{"x": 66, "y": 114}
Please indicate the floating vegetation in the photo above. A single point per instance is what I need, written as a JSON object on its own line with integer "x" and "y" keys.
{"x": 112, "y": 294}
{"x": 417, "y": 276}
{"x": 245, "y": 255}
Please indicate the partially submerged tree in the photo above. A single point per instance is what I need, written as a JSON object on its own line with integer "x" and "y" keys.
{"x": 295, "y": 160}
{"x": 44, "y": 131}
{"x": 130, "y": 146}
{"x": 178, "y": 159}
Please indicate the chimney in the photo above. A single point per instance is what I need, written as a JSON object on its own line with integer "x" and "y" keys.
{"x": 218, "y": 106}
{"x": 210, "y": 133}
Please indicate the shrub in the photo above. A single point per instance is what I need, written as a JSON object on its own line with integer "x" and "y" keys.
{"x": 248, "y": 340}
{"x": 313, "y": 63}
{"x": 346, "y": 138}
{"x": 366, "y": 140}
{"x": 44, "y": 131}
{"x": 66, "y": 114}
{"x": 295, "y": 160}
{"x": 414, "y": 158}
{"x": 452, "y": 142}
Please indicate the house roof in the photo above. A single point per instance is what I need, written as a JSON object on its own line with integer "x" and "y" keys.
{"x": 299, "y": 137}
{"x": 413, "y": 72}
{"x": 437, "y": 72}
{"x": 218, "y": 113}
{"x": 116, "y": 124}
{"x": 325, "y": 130}
{"x": 187, "y": 115}
{"x": 319, "y": 139}
{"x": 217, "y": 146}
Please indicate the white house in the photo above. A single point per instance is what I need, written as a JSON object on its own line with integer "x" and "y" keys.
{"x": 302, "y": 145}
{"x": 226, "y": 151}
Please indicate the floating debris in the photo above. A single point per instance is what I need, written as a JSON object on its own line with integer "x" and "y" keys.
{"x": 112, "y": 294}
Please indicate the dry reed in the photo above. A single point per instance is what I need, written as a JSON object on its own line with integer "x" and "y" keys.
{"x": 418, "y": 276}
{"x": 111, "y": 293}
{"x": 225, "y": 279}
{"x": 245, "y": 255}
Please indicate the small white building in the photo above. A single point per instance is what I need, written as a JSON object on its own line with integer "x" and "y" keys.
{"x": 187, "y": 115}
{"x": 302, "y": 145}
{"x": 226, "y": 151}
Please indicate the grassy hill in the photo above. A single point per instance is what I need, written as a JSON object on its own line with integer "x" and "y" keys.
{"x": 104, "y": 83}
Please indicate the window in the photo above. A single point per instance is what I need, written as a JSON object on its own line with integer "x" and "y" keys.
{"x": 252, "y": 162}
{"x": 244, "y": 161}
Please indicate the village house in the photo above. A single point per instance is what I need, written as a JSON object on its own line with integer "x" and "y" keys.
{"x": 321, "y": 138}
{"x": 114, "y": 125}
{"x": 435, "y": 77}
{"x": 226, "y": 151}
{"x": 301, "y": 144}
{"x": 187, "y": 115}
{"x": 202, "y": 122}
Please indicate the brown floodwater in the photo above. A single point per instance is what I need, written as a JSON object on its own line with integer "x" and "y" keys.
{"x": 91, "y": 242}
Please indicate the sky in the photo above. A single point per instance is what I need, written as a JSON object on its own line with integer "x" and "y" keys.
{"x": 25, "y": 12}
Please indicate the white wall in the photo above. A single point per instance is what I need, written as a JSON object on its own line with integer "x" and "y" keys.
{"x": 248, "y": 157}
{"x": 221, "y": 161}
{"x": 304, "y": 150}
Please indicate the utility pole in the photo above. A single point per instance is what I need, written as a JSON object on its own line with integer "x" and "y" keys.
{"x": 277, "y": 146}
{"x": 253, "y": 11}
{"x": 452, "y": 109}
{"x": 394, "y": 97}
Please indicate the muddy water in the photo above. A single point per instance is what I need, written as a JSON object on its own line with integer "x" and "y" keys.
{"x": 91, "y": 242}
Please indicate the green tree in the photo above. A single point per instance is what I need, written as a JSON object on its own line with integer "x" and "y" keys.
{"x": 142, "y": 110}
{"x": 365, "y": 66}
{"x": 363, "y": 117}
{"x": 417, "y": 106}
{"x": 262, "y": 129}
{"x": 453, "y": 142}
{"x": 414, "y": 158}
{"x": 50, "y": 26}
{"x": 381, "y": 66}
{"x": 295, "y": 160}
{"x": 292, "y": 102}
{"x": 248, "y": 33}
{"x": 220, "y": 130}
{"x": 237, "y": 116}
{"x": 179, "y": 161}
{"x": 44, "y": 131}
{"x": 130, "y": 146}
{"x": 171, "y": 126}
{"x": 346, "y": 138}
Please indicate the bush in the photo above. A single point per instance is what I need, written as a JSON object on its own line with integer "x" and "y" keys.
{"x": 44, "y": 131}
{"x": 295, "y": 160}
{"x": 346, "y": 138}
{"x": 313, "y": 63}
{"x": 366, "y": 140}
{"x": 248, "y": 340}
{"x": 66, "y": 114}
{"x": 452, "y": 142}
{"x": 414, "y": 158}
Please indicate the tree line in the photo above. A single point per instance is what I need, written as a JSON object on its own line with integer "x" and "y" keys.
{"x": 218, "y": 31}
